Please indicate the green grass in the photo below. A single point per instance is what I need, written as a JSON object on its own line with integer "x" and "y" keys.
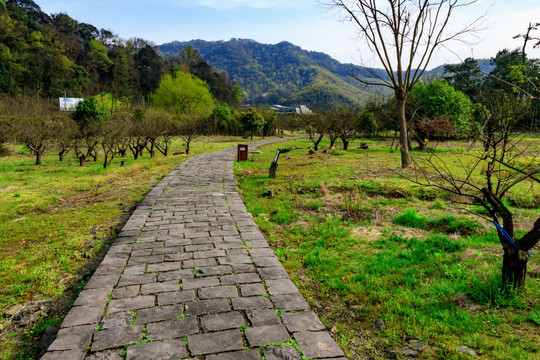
{"x": 446, "y": 223}
{"x": 363, "y": 243}
{"x": 57, "y": 217}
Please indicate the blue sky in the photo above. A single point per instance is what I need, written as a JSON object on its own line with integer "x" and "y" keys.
{"x": 302, "y": 22}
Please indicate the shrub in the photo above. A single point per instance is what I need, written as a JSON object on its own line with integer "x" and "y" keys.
{"x": 411, "y": 219}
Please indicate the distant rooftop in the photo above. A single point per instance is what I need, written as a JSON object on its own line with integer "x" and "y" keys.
{"x": 300, "y": 110}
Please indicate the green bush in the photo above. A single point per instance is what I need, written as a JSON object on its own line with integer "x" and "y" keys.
{"x": 411, "y": 219}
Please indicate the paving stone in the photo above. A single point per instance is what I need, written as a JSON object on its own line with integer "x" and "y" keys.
{"x": 176, "y": 275}
{"x": 120, "y": 249}
{"x": 147, "y": 289}
{"x": 102, "y": 282}
{"x": 240, "y": 279}
{"x": 257, "y": 244}
{"x": 135, "y": 270}
{"x": 83, "y": 315}
{"x": 268, "y": 334}
{"x": 106, "y": 355}
{"x": 208, "y": 254}
{"x": 115, "y": 259}
{"x": 252, "y": 235}
{"x": 236, "y": 355}
{"x": 146, "y": 316}
{"x": 204, "y": 239}
{"x": 159, "y": 350}
{"x": 137, "y": 279}
{"x": 251, "y": 303}
{"x": 223, "y": 321}
{"x": 266, "y": 262}
{"x": 189, "y": 284}
{"x": 176, "y": 297}
{"x": 230, "y": 245}
{"x": 135, "y": 303}
{"x": 162, "y": 267}
{"x": 302, "y": 321}
{"x": 142, "y": 260}
{"x": 281, "y": 353}
{"x": 216, "y": 342}
{"x": 104, "y": 269}
{"x": 273, "y": 273}
{"x": 281, "y": 286}
{"x": 204, "y": 307}
{"x": 213, "y": 270}
{"x": 263, "y": 317}
{"x": 192, "y": 264}
{"x": 218, "y": 292}
{"x": 172, "y": 329}
{"x": 121, "y": 319}
{"x": 233, "y": 260}
{"x": 78, "y": 337}
{"x": 237, "y": 252}
{"x": 168, "y": 250}
{"x": 252, "y": 289}
{"x": 142, "y": 252}
{"x": 126, "y": 292}
{"x": 318, "y": 345}
{"x": 65, "y": 355}
{"x": 92, "y": 297}
{"x": 200, "y": 247}
{"x": 148, "y": 245}
{"x": 244, "y": 268}
{"x": 261, "y": 252}
{"x": 178, "y": 257}
{"x": 290, "y": 302}
{"x": 117, "y": 337}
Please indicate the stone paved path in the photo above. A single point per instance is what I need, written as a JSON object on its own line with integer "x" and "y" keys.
{"x": 191, "y": 277}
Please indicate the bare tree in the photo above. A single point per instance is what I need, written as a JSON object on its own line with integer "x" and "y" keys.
{"x": 404, "y": 35}
{"x": 65, "y": 134}
{"x": 189, "y": 127}
{"x": 315, "y": 125}
{"x": 35, "y": 132}
{"x": 485, "y": 174}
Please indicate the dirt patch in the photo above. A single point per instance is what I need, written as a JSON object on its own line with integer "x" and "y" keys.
{"x": 368, "y": 233}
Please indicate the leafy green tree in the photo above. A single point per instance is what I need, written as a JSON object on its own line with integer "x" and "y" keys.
{"x": 251, "y": 121}
{"x": 89, "y": 117}
{"x": 220, "y": 119}
{"x": 150, "y": 68}
{"x": 184, "y": 93}
{"x": 367, "y": 124}
{"x": 465, "y": 77}
{"x": 440, "y": 100}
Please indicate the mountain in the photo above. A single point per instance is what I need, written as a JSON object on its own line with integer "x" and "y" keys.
{"x": 285, "y": 73}
{"x": 282, "y": 73}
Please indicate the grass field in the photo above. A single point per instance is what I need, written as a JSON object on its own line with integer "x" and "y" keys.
{"x": 364, "y": 244}
{"x": 55, "y": 221}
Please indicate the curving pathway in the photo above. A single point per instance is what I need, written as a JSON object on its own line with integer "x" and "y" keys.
{"x": 192, "y": 277}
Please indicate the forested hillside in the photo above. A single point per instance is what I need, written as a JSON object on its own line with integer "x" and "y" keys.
{"x": 283, "y": 72}
{"x": 286, "y": 73}
{"x": 48, "y": 56}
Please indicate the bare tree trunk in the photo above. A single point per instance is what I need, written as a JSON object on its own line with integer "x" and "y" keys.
{"x": 403, "y": 137}
{"x": 514, "y": 268}
{"x": 345, "y": 143}
{"x": 38, "y": 157}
